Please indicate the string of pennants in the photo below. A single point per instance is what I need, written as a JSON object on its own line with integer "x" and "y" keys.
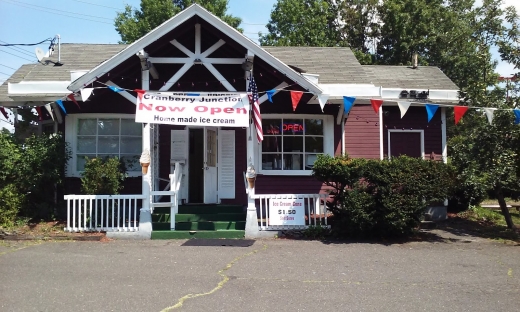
{"x": 348, "y": 103}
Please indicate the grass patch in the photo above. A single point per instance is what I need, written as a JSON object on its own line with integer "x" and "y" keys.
{"x": 490, "y": 216}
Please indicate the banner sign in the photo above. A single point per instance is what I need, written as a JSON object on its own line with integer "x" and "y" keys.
{"x": 286, "y": 211}
{"x": 224, "y": 109}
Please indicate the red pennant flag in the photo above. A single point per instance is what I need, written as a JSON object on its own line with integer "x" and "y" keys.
{"x": 4, "y": 113}
{"x": 140, "y": 94}
{"x": 459, "y": 112}
{"x": 295, "y": 97}
{"x": 376, "y": 104}
{"x": 71, "y": 97}
{"x": 39, "y": 110}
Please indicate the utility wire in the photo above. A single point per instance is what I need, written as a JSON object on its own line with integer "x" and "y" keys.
{"x": 75, "y": 17}
{"x": 5, "y": 74}
{"x": 68, "y": 12}
{"x": 99, "y": 5}
{"x": 24, "y": 44}
{"x": 17, "y": 56}
{"x": 7, "y": 66}
{"x": 21, "y": 51}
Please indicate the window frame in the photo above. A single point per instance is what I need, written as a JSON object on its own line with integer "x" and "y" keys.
{"x": 71, "y": 137}
{"x": 328, "y": 142}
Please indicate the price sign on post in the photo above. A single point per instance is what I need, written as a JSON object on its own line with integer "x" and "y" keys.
{"x": 286, "y": 211}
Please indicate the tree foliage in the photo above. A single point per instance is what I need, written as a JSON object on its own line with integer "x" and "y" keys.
{"x": 132, "y": 23}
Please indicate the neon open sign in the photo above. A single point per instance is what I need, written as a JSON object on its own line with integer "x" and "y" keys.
{"x": 292, "y": 127}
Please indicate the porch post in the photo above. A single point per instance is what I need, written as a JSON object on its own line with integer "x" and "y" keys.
{"x": 251, "y": 216}
{"x": 145, "y": 218}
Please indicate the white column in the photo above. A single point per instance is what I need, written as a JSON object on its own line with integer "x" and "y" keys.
{"x": 444, "y": 137}
{"x": 145, "y": 218}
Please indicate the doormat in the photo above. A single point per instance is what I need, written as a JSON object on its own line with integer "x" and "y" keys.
{"x": 219, "y": 242}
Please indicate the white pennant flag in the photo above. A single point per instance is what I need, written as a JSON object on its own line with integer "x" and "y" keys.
{"x": 49, "y": 109}
{"x": 85, "y": 93}
{"x": 322, "y": 99}
{"x": 403, "y": 107}
{"x": 489, "y": 113}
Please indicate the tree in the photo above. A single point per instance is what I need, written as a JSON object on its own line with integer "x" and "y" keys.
{"x": 303, "y": 23}
{"x": 132, "y": 24}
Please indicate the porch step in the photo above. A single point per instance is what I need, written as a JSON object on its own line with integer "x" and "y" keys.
{"x": 200, "y": 221}
{"x": 197, "y": 234}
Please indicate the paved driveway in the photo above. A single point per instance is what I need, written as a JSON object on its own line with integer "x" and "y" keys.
{"x": 462, "y": 274}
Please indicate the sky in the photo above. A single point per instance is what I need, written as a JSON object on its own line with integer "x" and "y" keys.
{"x": 91, "y": 21}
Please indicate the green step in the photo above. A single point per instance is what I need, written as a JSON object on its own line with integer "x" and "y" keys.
{"x": 202, "y": 209}
{"x": 210, "y": 217}
{"x": 201, "y": 226}
{"x": 197, "y": 234}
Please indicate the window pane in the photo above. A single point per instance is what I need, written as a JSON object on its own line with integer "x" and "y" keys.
{"x": 309, "y": 161}
{"x": 314, "y": 144}
{"x": 292, "y": 126}
{"x": 130, "y": 127}
{"x": 108, "y": 127}
{"x": 314, "y": 126}
{"x": 271, "y": 126}
{"x": 81, "y": 161}
{"x": 86, "y": 144}
{"x": 130, "y": 145}
{"x": 271, "y": 161}
{"x": 131, "y": 162}
{"x": 108, "y": 144}
{"x": 272, "y": 144}
{"x": 292, "y": 144}
{"x": 87, "y": 126}
{"x": 292, "y": 162}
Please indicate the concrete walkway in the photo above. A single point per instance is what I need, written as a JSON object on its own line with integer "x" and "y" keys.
{"x": 450, "y": 274}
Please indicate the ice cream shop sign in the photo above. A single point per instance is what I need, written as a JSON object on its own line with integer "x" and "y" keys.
{"x": 196, "y": 109}
{"x": 286, "y": 211}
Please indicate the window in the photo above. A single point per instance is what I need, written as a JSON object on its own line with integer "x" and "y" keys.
{"x": 293, "y": 144}
{"x": 108, "y": 136}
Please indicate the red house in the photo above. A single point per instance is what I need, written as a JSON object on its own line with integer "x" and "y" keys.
{"x": 193, "y": 119}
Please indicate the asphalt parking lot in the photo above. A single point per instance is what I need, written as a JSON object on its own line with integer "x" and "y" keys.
{"x": 457, "y": 274}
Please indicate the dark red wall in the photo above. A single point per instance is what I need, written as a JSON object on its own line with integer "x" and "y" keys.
{"x": 362, "y": 133}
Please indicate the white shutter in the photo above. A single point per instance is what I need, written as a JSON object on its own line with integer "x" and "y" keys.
{"x": 226, "y": 164}
{"x": 179, "y": 152}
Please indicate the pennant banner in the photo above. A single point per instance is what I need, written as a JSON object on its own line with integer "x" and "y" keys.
{"x": 403, "y": 107}
{"x": 49, "y": 110}
{"x": 71, "y": 97}
{"x": 60, "y": 103}
{"x": 295, "y": 97}
{"x": 376, "y": 104}
{"x": 348, "y": 102}
{"x": 490, "y": 114}
{"x": 140, "y": 94}
{"x": 270, "y": 94}
{"x": 430, "y": 110}
{"x": 459, "y": 112}
{"x": 115, "y": 89}
{"x": 322, "y": 99}
{"x": 85, "y": 93}
{"x": 4, "y": 113}
{"x": 39, "y": 111}
{"x": 517, "y": 116}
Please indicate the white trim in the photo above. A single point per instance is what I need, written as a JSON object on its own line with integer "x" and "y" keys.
{"x": 173, "y": 23}
{"x": 124, "y": 93}
{"x": 183, "y": 49}
{"x": 197, "y": 39}
{"x": 444, "y": 137}
{"x": 71, "y": 135}
{"x": 328, "y": 142}
{"x": 381, "y": 139}
{"x": 176, "y": 77}
{"x": 213, "y": 48}
{"x": 400, "y": 131}
{"x": 38, "y": 87}
{"x": 442, "y": 95}
{"x": 343, "y": 141}
{"x": 219, "y": 77}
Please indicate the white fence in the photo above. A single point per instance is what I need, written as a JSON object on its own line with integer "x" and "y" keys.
{"x": 315, "y": 210}
{"x": 103, "y": 212}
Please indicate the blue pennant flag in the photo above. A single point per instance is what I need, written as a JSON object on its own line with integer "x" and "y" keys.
{"x": 348, "y": 102}
{"x": 60, "y": 103}
{"x": 430, "y": 110}
{"x": 115, "y": 89}
{"x": 270, "y": 94}
{"x": 517, "y": 116}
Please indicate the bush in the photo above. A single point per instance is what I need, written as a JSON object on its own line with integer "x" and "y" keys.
{"x": 10, "y": 203}
{"x": 373, "y": 198}
{"x": 103, "y": 176}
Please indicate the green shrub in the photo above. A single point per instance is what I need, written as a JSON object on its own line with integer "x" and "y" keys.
{"x": 11, "y": 200}
{"x": 103, "y": 176}
{"x": 381, "y": 198}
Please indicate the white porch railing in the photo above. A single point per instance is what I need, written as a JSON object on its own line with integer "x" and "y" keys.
{"x": 314, "y": 205}
{"x": 175, "y": 185}
{"x": 103, "y": 212}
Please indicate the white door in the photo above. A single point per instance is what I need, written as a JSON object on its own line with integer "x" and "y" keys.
{"x": 210, "y": 165}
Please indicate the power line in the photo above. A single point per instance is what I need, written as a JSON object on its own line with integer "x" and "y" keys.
{"x": 7, "y": 66}
{"x": 99, "y": 5}
{"x": 21, "y": 51}
{"x": 24, "y": 44}
{"x": 5, "y": 74}
{"x": 17, "y": 56}
{"x": 68, "y": 12}
{"x": 76, "y": 17}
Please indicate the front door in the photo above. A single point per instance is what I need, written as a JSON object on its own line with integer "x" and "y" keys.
{"x": 210, "y": 165}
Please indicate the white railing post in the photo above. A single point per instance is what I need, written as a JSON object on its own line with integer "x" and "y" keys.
{"x": 173, "y": 187}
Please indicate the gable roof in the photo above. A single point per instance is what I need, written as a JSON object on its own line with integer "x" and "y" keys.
{"x": 174, "y": 22}
{"x": 334, "y": 65}
{"x": 405, "y": 77}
